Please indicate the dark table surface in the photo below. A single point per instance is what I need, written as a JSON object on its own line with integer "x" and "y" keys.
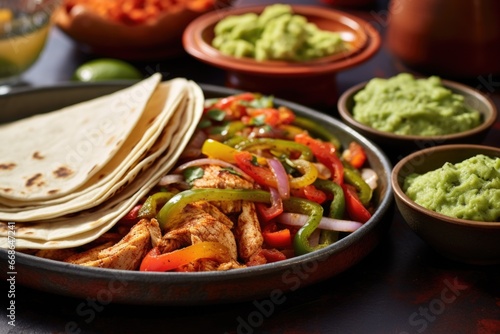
{"x": 403, "y": 286}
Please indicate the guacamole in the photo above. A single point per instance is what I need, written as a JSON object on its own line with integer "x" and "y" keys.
{"x": 468, "y": 190}
{"x": 405, "y": 105}
{"x": 276, "y": 34}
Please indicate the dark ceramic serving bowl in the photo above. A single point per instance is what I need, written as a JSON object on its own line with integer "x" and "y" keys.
{"x": 175, "y": 288}
{"x": 397, "y": 146}
{"x": 310, "y": 82}
{"x": 467, "y": 241}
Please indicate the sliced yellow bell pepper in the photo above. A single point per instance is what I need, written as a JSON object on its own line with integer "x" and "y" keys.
{"x": 309, "y": 174}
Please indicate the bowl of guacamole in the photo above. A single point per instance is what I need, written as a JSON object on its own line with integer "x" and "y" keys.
{"x": 287, "y": 50}
{"x": 449, "y": 195}
{"x": 406, "y": 113}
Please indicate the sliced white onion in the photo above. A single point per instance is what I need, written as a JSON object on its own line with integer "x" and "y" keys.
{"x": 323, "y": 172}
{"x": 210, "y": 161}
{"x": 370, "y": 177}
{"x": 279, "y": 172}
{"x": 170, "y": 178}
{"x": 340, "y": 225}
{"x": 314, "y": 238}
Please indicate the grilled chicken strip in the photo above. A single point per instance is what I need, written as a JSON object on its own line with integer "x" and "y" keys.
{"x": 127, "y": 253}
{"x": 199, "y": 221}
{"x": 248, "y": 231}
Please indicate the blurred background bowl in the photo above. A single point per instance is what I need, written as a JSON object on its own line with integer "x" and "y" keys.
{"x": 24, "y": 26}
{"x": 397, "y": 146}
{"x": 467, "y": 241}
{"x": 454, "y": 39}
{"x": 128, "y": 34}
{"x": 311, "y": 83}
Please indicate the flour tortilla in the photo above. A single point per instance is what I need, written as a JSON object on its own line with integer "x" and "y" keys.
{"x": 159, "y": 108}
{"x": 155, "y": 138}
{"x": 50, "y": 155}
{"x": 88, "y": 225}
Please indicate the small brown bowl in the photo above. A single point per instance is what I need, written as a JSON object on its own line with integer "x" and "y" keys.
{"x": 313, "y": 82}
{"x": 397, "y": 146}
{"x": 154, "y": 39}
{"x": 468, "y": 241}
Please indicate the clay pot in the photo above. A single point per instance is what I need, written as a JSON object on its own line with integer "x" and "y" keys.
{"x": 446, "y": 37}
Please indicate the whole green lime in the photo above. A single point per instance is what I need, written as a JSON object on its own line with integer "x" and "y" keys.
{"x": 106, "y": 69}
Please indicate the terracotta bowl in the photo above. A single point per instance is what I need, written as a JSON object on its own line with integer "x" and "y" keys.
{"x": 467, "y": 241}
{"x": 397, "y": 146}
{"x": 312, "y": 83}
{"x": 446, "y": 37}
{"x": 153, "y": 39}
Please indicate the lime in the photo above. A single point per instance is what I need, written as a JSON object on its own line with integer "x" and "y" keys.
{"x": 106, "y": 69}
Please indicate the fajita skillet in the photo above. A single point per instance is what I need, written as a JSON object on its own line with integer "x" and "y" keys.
{"x": 270, "y": 281}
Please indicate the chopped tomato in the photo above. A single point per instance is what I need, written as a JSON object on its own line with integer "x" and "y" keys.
{"x": 287, "y": 116}
{"x": 355, "y": 155}
{"x": 232, "y": 106}
{"x": 269, "y": 116}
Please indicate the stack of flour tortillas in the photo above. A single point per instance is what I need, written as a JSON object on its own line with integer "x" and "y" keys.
{"x": 68, "y": 176}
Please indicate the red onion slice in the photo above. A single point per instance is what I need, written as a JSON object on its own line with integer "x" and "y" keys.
{"x": 279, "y": 172}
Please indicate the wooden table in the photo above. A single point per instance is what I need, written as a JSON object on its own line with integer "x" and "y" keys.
{"x": 403, "y": 286}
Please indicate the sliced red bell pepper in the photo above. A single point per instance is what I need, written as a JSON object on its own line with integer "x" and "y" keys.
{"x": 132, "y": 216}
{"x": 311, "y": 193}
{"x": 228, "y": 101}
{"x": 354, "y": 207}
{"x": 278, "y": 239}
{"x": 269, "y": 212}
{"x": 248, "y": 163}
{"x": 154, "y": 261}
{"x": 232, "y": 106}
{"x": 325, "y": 153}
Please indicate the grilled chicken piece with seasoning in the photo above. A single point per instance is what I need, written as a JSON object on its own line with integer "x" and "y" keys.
{"x": 200, "y": 221}
{"x": 127, "y": 254}
{"x": 203, "y": 221}
{"x": 247, "y": 230}
{"x": 222, "y": 178}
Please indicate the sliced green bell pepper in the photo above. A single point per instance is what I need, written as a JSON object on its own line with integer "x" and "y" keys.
{"x": 337, "y": 207}
{"x": 175, "y": 205}
{"x": 152, "y": 203}
{"x": 315, "y": 212}
{"x": 364, "y": 191}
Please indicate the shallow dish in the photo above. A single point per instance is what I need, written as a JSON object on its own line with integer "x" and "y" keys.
{"x": 131, "y": 287}
{"x": 397, "y": 146}
{"x": 311, "y": 82}
{"x": 463, "y": 240}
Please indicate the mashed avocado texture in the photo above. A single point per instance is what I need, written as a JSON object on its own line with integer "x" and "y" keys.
{"x": 466, "y": 190}
{"x": 405, "y": 105}
{"x": 276, "y": 34}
